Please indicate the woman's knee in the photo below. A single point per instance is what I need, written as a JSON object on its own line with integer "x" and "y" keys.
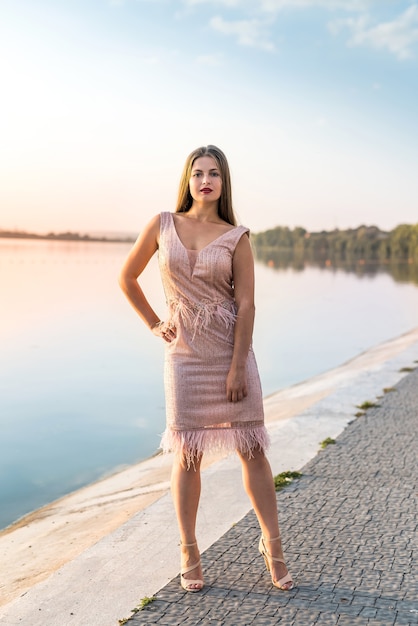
{"x": 256, "y": 455}
{"x": 188, "y": 462}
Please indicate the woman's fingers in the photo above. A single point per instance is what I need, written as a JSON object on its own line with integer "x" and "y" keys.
{"x": 165, "y": 330}
{"x": 169, "y": 332}
{"x": 237, "y": 394}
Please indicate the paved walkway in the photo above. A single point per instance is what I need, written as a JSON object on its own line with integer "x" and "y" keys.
{"x": 350, "y": 536}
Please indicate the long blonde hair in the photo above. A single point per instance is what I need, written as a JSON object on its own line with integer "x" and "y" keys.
{"x": 185, "y": 200}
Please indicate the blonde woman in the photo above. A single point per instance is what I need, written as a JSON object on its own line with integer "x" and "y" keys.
{"x": 212, "y": 385}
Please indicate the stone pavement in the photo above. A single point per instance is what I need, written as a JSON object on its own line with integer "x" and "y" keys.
{"x": 349, "y": 528}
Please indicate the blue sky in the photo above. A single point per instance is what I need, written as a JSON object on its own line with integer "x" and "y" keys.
{"x": 313, "y": 101}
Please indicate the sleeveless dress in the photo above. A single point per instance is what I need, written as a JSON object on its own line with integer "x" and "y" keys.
{"x": 200, "y": 298}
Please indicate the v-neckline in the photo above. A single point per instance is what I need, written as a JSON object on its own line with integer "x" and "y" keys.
{"x": 204, "y": 247}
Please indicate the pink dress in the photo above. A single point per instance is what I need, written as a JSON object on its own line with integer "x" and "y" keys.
{"x": 200, "y": 298}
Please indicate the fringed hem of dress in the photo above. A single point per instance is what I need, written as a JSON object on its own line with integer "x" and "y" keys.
{"x": 190, "y": 444}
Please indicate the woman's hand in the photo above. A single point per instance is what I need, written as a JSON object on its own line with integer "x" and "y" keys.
{"x": 165, "y": 330}
{"x": 236, "y": 384}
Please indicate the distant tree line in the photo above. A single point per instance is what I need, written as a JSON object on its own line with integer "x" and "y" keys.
{"x": 365, "y": 242}
{"x": 67, "y": 236}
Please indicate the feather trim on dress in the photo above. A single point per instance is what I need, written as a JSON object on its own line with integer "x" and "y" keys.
{"x": 199, "y": 315}
{"x": 191, "y": 444}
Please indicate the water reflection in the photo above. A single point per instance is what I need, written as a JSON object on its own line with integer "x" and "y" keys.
{"x": 400, "y": 271}
{"x": 81, "y": 389}
{"x": 80, "y": 385}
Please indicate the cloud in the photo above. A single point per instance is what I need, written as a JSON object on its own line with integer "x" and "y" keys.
{"x": 212, "y": 60}
{"x": 274, "y": 6}
{"x": 331, "y": 5}
{"x": 336, "y": 26}
{"x": 150, "y": 60}
{"x": 250, "y": 32}
{"x": 257, "y": 17}
{"x": 227, "y": 3}
{"x": 397, "y": 36}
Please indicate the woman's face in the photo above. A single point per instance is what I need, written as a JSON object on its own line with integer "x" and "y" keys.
{"x": 205, "y": 182}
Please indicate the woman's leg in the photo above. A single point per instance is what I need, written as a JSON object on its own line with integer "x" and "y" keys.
{"x": 185, "y": 489}
{"x": 259, "y": 485}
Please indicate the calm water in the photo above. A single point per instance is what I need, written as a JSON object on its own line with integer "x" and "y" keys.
{"x": 81, "y": 378}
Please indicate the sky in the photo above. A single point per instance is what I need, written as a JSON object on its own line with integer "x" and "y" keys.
{"x": 314, "y": 102}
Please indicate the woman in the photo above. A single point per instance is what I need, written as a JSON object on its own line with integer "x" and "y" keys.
{"x": 212, "y": 386}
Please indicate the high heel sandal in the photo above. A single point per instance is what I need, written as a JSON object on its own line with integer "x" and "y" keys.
{"x": 186, "y": 582}
{"x": 266, "y": 555}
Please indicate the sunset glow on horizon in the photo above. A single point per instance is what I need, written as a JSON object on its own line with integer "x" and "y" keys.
{"x": 313, "y": 102}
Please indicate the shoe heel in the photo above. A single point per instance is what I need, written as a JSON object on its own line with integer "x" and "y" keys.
{"x": 262, "y": 551}
{"x": 266, "y": 562}
{"x": 286, "y": 580}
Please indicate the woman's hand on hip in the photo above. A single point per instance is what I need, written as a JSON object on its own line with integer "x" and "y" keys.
{"x": 165, "y": 330}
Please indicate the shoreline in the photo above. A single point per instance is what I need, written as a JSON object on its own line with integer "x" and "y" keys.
{"x": 297, "y": 396}
{"x": 42, "y": 542}
{"x": 65, "y": 237}
{"x": 28, "y": 517}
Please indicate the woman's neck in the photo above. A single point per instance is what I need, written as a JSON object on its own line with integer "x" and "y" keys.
{"x": 204, "y": 212}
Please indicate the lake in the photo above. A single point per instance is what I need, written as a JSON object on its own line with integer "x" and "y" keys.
{"x": 81, "y": 390}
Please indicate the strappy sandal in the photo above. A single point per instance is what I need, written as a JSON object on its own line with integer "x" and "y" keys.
{"x": 266, "y": 555}
{"x": 186, "y": 582}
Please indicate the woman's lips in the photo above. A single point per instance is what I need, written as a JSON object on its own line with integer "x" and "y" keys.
{"x": 206, "y": 190}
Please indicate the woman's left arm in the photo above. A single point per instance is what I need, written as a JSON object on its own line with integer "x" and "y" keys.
{"x": 243, "y": 274}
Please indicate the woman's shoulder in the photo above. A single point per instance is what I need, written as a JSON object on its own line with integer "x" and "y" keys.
{"x": 164, "y": 217}
{"x": 235, "y": 235}
{"x": 241, "y": 230}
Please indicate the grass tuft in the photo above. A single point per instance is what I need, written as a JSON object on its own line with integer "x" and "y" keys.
{"x": 366, "y": 405}
{"x": 284, "y": 479}
{"x": 388, "y": 389}
{"x": 327, "y": 442}
{"x": 407, "y": 369}
{"x": 145, "y": 602}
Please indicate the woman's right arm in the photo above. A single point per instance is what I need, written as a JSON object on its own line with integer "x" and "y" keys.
{"x": 144, "y": 248}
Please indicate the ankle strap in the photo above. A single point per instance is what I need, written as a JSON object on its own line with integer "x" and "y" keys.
{"x": 188, "y": 545}
{"x": 274, "y": 538}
